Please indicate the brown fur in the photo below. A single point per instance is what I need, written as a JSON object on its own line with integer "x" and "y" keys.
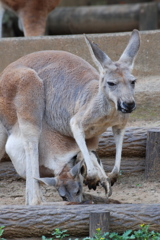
{"x": 33, "y": 13}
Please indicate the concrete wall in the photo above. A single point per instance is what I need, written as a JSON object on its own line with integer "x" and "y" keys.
{"x": 147, "y": 63}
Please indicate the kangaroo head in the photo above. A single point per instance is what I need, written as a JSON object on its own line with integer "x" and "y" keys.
{"x": 116, "y": 80}
{"x": 69, "y": 183}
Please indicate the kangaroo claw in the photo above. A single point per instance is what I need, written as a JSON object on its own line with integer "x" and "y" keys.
{"x": 106, "y": 184}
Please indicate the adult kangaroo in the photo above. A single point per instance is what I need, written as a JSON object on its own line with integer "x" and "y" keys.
{"x": 58, "y": 92}
{"x": 32, "y": 14}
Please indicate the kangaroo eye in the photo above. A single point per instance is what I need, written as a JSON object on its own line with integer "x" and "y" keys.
{"x": 111, "y": 84}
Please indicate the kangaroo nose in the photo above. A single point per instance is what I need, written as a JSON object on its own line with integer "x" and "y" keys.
{"x": 129, "y": 106}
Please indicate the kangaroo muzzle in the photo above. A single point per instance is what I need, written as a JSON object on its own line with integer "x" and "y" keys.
{"x": 126, "y": 107}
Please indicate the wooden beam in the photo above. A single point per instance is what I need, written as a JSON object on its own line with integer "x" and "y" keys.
{"x": 152, "y": 163}
{"x": 35, "y": 221}
{"x": 99, "y": 220}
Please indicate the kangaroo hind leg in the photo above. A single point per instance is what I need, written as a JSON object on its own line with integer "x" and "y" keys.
{"x": 3, "y": 139}
{"x": 30, "y": 109}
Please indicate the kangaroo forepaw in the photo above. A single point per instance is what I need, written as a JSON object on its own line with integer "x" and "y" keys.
{"x": 113, "y": 177}
{"x": 92, "y": 183}
{"x": 106, "y": 184}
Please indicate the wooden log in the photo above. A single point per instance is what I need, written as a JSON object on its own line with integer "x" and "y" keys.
{"x": 129, "y": 165}
{"x": 93, "y": 19}
{"x": 8, "y": 171}
{"x": 34, "y": 221}
{"x": 102, "y": 19}
{"x": 152, "y": 163}
{"x": 134, "y": 143}
{"x": 133, "y": 153}
{"x": 96, "y": 2}
{"x": 148, "y": 16}
{"x": 99, "y": 220}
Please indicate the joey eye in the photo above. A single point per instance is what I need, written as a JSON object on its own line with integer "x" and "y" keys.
{"x": 78, "y": 192}
{"x": 133, "y": 82}
{"x": 111, "y": 84}
{"x": 64, "y": 198}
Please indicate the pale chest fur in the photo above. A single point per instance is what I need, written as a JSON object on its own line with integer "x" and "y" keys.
{"x": 98, "y": 126}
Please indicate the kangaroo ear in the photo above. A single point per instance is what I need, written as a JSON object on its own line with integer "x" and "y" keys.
{"x": 98, "y": 56}
{"x": 52, "y": 181}
{"x": 131, "y": 50}
{"x": 79, "y": 168}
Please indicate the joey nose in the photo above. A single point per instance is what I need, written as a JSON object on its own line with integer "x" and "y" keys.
{"x": 129, "y": 106}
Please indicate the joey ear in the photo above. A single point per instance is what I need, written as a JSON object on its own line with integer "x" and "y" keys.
{"x": 52, "y": 181}
{"x": 131, "y": 50}
{"x": 78, "y": 168}
{"x": 99, "y": 57}
{"x": 62, "y": 191}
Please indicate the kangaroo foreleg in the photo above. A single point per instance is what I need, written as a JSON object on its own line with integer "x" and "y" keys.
{"x": 80, "y": 140}
{"x": 95, "y": 173}
{"x": 104, "y": 180}
{"x": 118, "y": 136}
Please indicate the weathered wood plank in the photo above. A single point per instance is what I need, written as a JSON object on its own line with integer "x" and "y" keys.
{"x": 34, "y": 221}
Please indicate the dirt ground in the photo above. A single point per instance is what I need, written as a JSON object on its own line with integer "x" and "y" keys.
{"x": 128, "y": 189}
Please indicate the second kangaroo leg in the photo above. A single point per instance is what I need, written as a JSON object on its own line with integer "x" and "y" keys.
{"x": 3, "y": 139}
{"x": 33, "y": 25}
